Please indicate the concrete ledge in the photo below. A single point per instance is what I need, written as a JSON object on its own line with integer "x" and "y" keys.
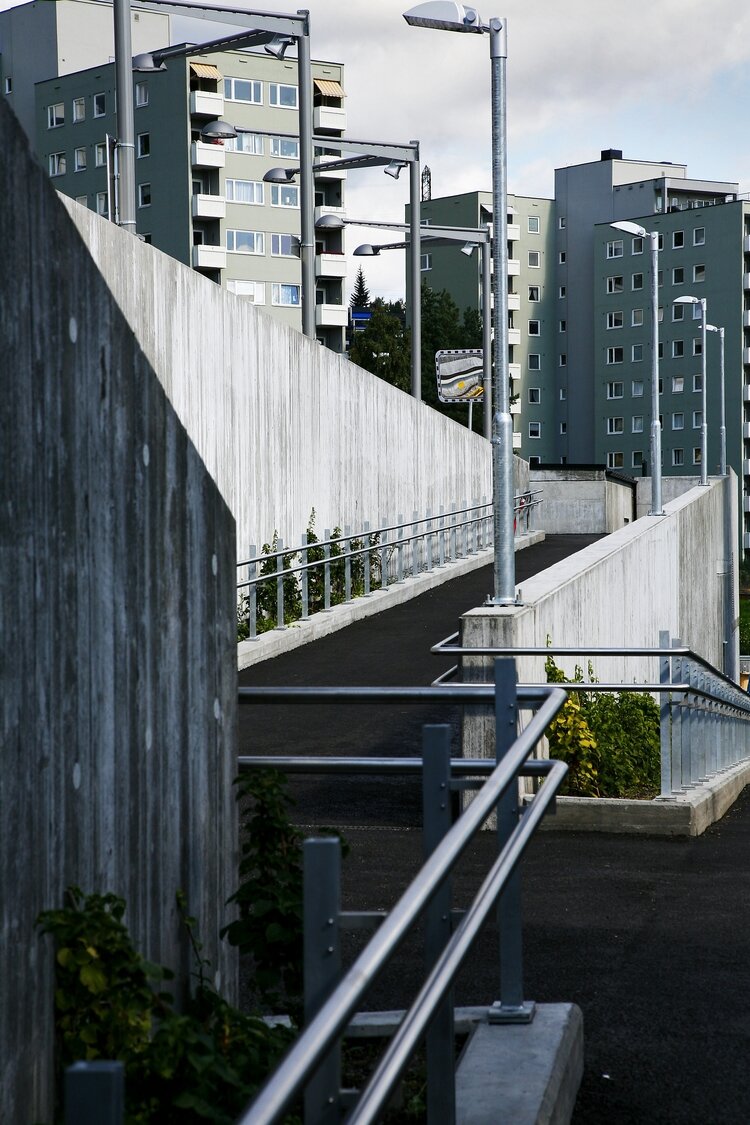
{"x": 276, "y": 641}
{"x": 688, "y": 813}
{"x": 525, "y": 1073}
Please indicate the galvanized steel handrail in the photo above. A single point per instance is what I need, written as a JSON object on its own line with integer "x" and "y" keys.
{"x": 336, "y": 1012}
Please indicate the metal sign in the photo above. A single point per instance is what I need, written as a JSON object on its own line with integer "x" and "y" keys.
{"x": 460, "y": 375}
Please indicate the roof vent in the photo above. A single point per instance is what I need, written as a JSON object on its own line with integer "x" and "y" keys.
{"x": 611, "y": 154}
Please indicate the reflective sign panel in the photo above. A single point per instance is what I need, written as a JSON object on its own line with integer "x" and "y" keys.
{"x": 460, "y": 375}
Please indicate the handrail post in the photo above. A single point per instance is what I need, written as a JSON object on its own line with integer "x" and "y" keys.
{"x": 322, "y": 967}
{"x": 303, "y": 578}
{"x": 437, "y": 819}
{"x": 327, "y": 569}
{"x": 679, "y": 721}
{"x": 452, "y": 541}
{"x": 280, "y": 585}
{"x": 441, "y": 537}
{"x": 416, "y": 546}
{"x": 252, "y": 595}
{"x": 400, "y": 550}
{"x": 665, "y": 726}
{"x": 428, "y": 542}
{"x": 347, "y": 564}
{"x": 383, "y": 557}
{"x": 511, "y": 1007}
{"x": 366, "y": 558}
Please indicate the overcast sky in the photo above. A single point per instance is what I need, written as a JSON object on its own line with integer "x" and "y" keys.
{"x": 659, "y": 79}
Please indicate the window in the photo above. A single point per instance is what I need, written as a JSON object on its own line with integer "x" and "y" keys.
{"x": 660, "y": 278}
{"x": 660, "y": 242}
{"x": 637, "y": 282}
{"x": 534, "y": 293}
{"x": 535, "y": 361}
{"x": 697, "y": 382}
{"x": 614, "y": 285}
{"x": 284, "y": 195}
{"x": 678, "y": 276}
{"x": 563, "y": 394}
{"x": 534, "y": 328}
{"x": 697, "y": 347}
{"x": 697, "y": 458}
{"x": 535, "y": 395}
{"x": 678, "y": 349}
{"x": 55, "y": 115}
{"x": 561, "y": 223}
{"x": 8, "y": 85}
{"x": 615, "y": 355}
{"x": 699, "y": 274}
{"x": 249, "y": 143}
{"x": 636, "y": 353}
{"x": 286, "y": 98}
{"x": 615, "y": 460}
{"x": 678, "y": 312}
{"x": 697, "y": 419}
{"x": 562, "y": 326}
{"x": 614, "y": 320}
{"x": 284, "y": 245}
{"x": 79, "y": 109}
{"x": 102, "y": 207}
{"x": 144, "y": 195}
{"x": 141, "y": 94}
{"x": 245, "y": 242}
{"x": 615, "y": 425}
{"x": 678, "y": 421}
{"x": 79, "y": 159}
{"x": 100, "y": 154}
{"x": 563, "y": 428}
{"x": 288, "y": 295}
{"x": 678, "y": 383}
{"x": 244, "y": 191}
{"x": 636, "y": 460}
{"x": 678, "y": 239}
{"x": 636, "y": 245}
{"x": 696, "y": 311}
{"x": 57, "y": 164}
{"x": 562, "y": 292}
{"x": 243, "y": 90}
{"x": 563, "y": 360}
{"x": 699, "y": 236}
{"x": 144, "y": 145}
{"x": 535, "y": 429}
{"x": 425, "y": 261}
{"x": 535, "y": 259}
{"x": 533, "y": 224}
{"x": 678, "y": 457}
{"x": 636, "y": 318}
{"x": 288, "y": 147}
{"x": 636, "y": 388}
{"x": 637, "y": 424}
{"x": 614, "y": 390}
{"x": 562, "y": 257}
{"x": 100, "y": 105}
{"x": 614, "y": 248}
{"x": 254, "y": 291}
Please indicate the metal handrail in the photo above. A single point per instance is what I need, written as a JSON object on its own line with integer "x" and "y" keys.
{"x": 326, "y": 1027}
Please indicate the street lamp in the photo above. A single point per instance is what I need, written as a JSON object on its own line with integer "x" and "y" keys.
{"x": 722, "y": 427}
{"x": 446, "y": 15}
{"x": 704, "y": 426}
{"x": 653, "y": 236}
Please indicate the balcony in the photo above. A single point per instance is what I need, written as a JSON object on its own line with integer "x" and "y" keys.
{"x": 326, "y": 210}
{"x": 746, "y": 355}
{"x": 204, "y": 103}
{"x": 746, "y": 468}
{"x": 330, "y": 265}
{"x": 204, "y": 155}
{"x": 514, "y": 302}
{"x": 209, "y": 257}
{"x": 209, "y": 207}
{"x": 323, "y": 173}
{"x": 746, "y": 393}
{"x": 746, "y": 503}
{"x": 331, "y": 316}
{"x": 514, "y": 371}
{"x": 514, "y": 232}
{"x": 514, "y": 267}
{"x": 515, "y": 407}
{"x": 746, "y": 431}
{"x": 746, "y": 244}
{"x": 746, "y": 281}
{"x": 517, "y": 441}
{"x": 746, "y": 319}
{"x": 329, "y": 117}
{"x": 514, "y": 336}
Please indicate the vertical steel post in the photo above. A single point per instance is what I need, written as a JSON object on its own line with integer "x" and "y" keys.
{"x": 656, "y": 502}
{"x": 366, "y": 558}
{"x": 415, "y": 264}
{"x": 280, "y": 585}
{"x": 486, "y": 250}
{"x": 436, "y": 808}
{"x": 327, "y": 569}
{"x": 400, "y": 550}
{"x": 704, "y": 403}
{"x": 252, "y": 595}
{"x": 665, "y": 727}
{"x": 322, "y": 966}
{"x": 125, "y": 117}
{"x": 306, "y": 182}
{"x": 679, "y": 721}
{"x": 347, "y": 564}
{"x": 383, "y": 556}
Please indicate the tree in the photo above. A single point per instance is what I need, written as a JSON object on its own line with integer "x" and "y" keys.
{"x": 360, "y": 298}
{"x": 444, "y": 327}
{"x": 384, "y": 346}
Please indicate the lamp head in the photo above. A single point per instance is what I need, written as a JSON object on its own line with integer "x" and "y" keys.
{"x": 394, "y": 168}
{"x": 279, "y": 45}
{"x": 330, "y": 222}
{"x": 218, "y": 131}
{"x": 630, "y": 228}
{"x": 366, "y": 250}
{"x": 468, "y": 248}
{"x": 279, "y": 175}
{"x": 145, "y": 63}
{"x": 687, "y": 301}
{"x": 445, "y": 15}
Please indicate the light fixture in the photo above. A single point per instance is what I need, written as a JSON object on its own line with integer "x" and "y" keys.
{"x": 394, "y": 168}
{"x": 445, "y": 15}
{"x": 280, "y": 175}
{"x": 218, "y": 131}
{"x": 279, "y": 45}
{"x": 145, "y": 63}
{"x": 329, "y": 222}
{"x": 366, "y": 250}
{"x": 468, "y": 248}
{"x": 630, "y": 228}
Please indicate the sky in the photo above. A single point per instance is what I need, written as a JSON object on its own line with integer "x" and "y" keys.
{"x": 659, "y": 79}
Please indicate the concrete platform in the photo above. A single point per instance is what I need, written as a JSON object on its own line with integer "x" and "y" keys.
{"x": 527, "y": 1074}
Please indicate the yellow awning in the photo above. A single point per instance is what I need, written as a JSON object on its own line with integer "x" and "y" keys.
{"x": 329, "y": 89}
{"x": 205, "y": 70}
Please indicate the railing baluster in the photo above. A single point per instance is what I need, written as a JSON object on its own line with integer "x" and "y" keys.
{"x": 347, "y": 565}
{"x": 665, "y": 727}
{"x": 366, "y": 559}
{"x": 441, "y": 537}
{"x": 280, "y": 585}
{"x": 327, "y": 570}
{"x": 400, "y": 550}
{"x": 383, "y": 557}
{"x": 322, "y": 966}
{"x": 303, "y": 578}
{"x": 252, "y": 595}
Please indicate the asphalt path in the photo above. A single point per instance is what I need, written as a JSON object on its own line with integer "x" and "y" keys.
{"x": 649, "y": 936}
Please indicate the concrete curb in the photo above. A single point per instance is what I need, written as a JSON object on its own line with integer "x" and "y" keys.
{"x": 276, "y": 641}
{"x": 688, "y": 813}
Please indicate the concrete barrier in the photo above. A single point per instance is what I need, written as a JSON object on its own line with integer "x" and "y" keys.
{"x": 119, "y": 691}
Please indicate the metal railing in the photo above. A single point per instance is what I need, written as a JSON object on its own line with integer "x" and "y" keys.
{"x": 331, "y": 997}
{"x": 290, "y": 583}
{"x": 704, "y": 716}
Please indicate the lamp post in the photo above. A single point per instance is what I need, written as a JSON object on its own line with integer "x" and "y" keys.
{"x": 722, "y": 426}
{"x": 446, "y": 15}
{"x": 653, "y": 236}
{"x": 441, "y": 236}
{"x": 275, "y": 33}
{"x": 704, "y": 421}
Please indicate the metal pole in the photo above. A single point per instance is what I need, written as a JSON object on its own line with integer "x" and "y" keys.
{"x": 486, "y": 251}
{"x": 723, "y": 427}
{"x": 306, "y": 184}
{"x": 704, "y": 420}
{"x": 656, "y": 503}
{"x": 125, "y": 119}
{"x": 415, "y": 264}
{"x": 502, "y": 423}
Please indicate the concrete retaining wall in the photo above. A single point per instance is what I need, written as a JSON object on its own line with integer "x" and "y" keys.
{"x": 118, "y": 727}
{"x": 283, "y": 424}
{"x": 582, "y": 501}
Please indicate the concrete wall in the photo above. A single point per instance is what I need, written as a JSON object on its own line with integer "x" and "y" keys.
{"x": 283, "y": 424}
{"x": 671, "y": 488}
{"x": 118, "y": 727}
{"x": 582, "y": 501}
{"x": 657, "y": 573}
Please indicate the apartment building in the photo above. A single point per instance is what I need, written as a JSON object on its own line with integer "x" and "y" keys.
{"x": 202, "y": 200}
